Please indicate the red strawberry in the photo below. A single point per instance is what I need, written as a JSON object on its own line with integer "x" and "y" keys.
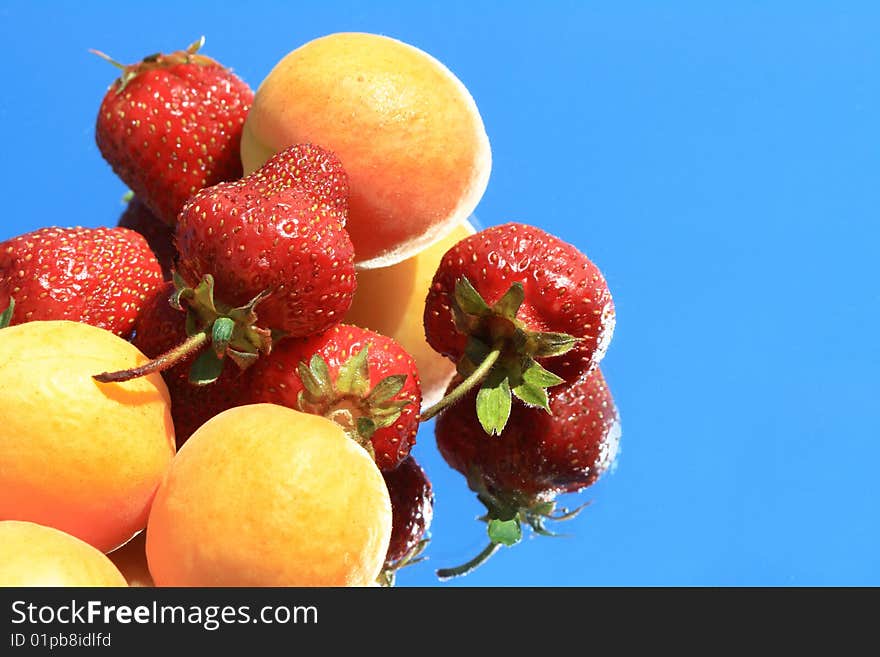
{"x": 98, "y": 276}
{"x": 522, "y": 311}
{"x": 171, "y": 125}
{"x": 412, "y": 509}
{"x": 269, "y": 232}
{"x": 259, "y": 257}
{"x": 363, "y": 380}
{"x": 519, "y": 474}
{"x": 159, "y": 236}
{"x": 159, "y": 328}
{"x": 315, "y": 168}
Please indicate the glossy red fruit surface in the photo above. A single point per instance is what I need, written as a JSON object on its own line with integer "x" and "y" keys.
{"x": 538, "y": 455}
{"x": 412, "y": 508}
{"x": 562, "y": 292}
{"x": 97, "y": 276}
{"x": 270, "y": 234}
{"x": 171, "y": 125}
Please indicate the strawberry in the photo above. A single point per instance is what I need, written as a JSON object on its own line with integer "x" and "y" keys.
{"x": 159, "y": 236}
{"x": 171, "y": 125}
{"x": 256, "y": 237}
{"x": 412, "y": 509}
{"x": 271, "y": 232}
{"x": 260, "y": 258}
{"x": 98, "y": 276}
{"x": 519, "y": 311}
{"x": 538, "y": 456}
{"x": 159, "y": 328}
{"x": 317, "y": 169}
{"x": 363, "y": 380}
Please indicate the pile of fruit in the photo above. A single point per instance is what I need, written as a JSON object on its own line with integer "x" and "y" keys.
{"x": 225, "y": 388}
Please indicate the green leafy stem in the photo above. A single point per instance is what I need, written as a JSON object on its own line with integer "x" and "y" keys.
{"x": 231, "y": 332}
{"x": 506, "y": 530}
{"x": 500, "y": 356}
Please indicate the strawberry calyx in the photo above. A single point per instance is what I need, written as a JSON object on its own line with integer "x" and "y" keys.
{"x": 230, "y": 331}
{"x": 233, "y": 330}
{"x": 501, "y": 356}
{"x": 505, "y": 517}
{"x": 6, "y": 315}
{"x": 157, "y": 61}
{"x": 388, "y": 575}
{"x": 348, "y": 399}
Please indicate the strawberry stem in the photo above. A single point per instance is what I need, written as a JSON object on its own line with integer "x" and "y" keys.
{"x": 196, "y": 45}
{"x": 470, "y": 566}
{"x": 156, "y": 60}
{"x": 465, "y": 386}
{"x": 170, "y": 358}
{"x": 107, "y": 58}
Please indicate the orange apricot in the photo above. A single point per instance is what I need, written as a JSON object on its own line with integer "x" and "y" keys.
{"x": 78, "y": 455}
{"x": 33, "y": 555}
{"x": 263, "y": 495}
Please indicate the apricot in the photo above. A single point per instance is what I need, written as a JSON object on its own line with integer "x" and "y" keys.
{"x": 78, "y": 455}
{"x": 263, "y": 495}
{"x": 34, "y": 555}
{"x": 406, "y": 129}
{"x": 407, "y": 283}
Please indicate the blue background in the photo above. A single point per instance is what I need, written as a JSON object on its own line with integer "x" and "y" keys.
{"x": 720, "y": 164}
